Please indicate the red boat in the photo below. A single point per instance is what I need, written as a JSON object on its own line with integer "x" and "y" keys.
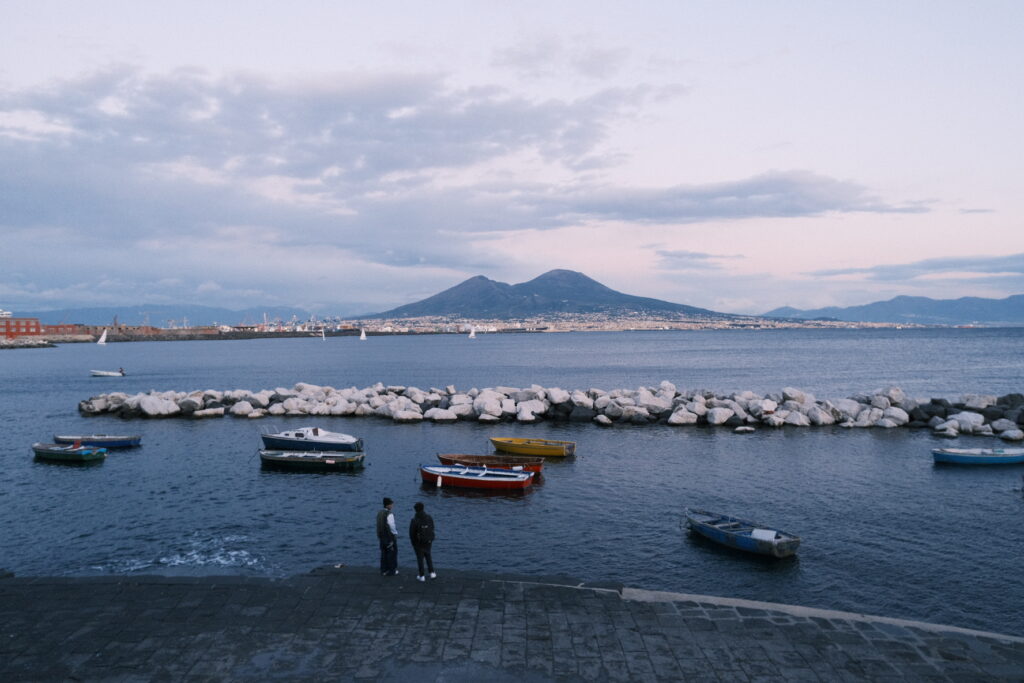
{"x": 475, "y": 477}
{"x": 517, "y": 463}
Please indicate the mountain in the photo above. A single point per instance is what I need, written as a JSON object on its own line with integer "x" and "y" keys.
{"x": 921, "y": 310}
{"x": 557, "y": 291}
{"x": 159, "y": 316}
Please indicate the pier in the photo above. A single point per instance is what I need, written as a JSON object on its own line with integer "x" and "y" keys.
{"x": 351, "y": 623}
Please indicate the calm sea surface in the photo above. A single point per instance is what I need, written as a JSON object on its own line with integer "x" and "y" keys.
{"x": 884, "y": 530}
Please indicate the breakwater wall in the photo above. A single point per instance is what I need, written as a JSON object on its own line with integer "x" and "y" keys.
{"x": 888, "y": 408}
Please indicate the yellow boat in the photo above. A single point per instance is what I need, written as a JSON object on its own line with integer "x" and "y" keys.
{"x": 545, "y": 447}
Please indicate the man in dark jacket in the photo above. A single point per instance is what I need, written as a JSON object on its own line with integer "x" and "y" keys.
{"x": 387, "y": 534}
{"x": 421, "y": 533}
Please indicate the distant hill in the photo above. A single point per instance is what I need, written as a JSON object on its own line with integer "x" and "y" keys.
{"x": 921, "y": 310}
{"x": 557, "y": 291}
{"x": 159, "y": 316}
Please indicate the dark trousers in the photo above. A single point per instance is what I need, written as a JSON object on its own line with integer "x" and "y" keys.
{"x": 388, "y": 556}
{"x": 423, "y": 553}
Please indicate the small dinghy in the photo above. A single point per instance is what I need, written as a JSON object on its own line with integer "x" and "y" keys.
{"x": 104, "y": 440}
{"x": 979, "y": 456}
{"x": 108, "y": 373}
{"x": 475, "y": 477}
{"x": 742, "y": 534}
{"x": 68, "y": 452}
{"x": 504, "y": 462}
{"x": 312, "y": 439}
{"x": 312, "y": 461}
{"x": 541, "y": 447}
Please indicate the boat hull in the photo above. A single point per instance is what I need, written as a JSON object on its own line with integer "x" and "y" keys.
{"x": 546, "y": 448}
{"x": 476, "y": 477}
{"x": 106, "y": 373}
{"x": 104, "y": 440}
{"x": 978, "y": 456}
{"x": 311, "y": 461}
{"x": 68, "y": 453}
{"x": 275, "y": 442}
{"x": 505, "y": 462}
{"x": 736, "y": 533}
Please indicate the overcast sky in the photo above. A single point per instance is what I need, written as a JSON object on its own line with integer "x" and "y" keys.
{"x": 737, "y": 156}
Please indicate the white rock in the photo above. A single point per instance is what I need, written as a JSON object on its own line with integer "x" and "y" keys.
{"x": 601, "y": 402}
{"x": 978, "y": 401}
{"x": 635, "y": 414}
{"x": 848, "y": 407}
{"x": 209, "y": 412}
{"x": 486, "y": 417}
{"x": 155, "y": 406}
{"x": 697, "y": 407}
{"x": 791, "y": 394}
{"x": 407, "y": 416}
{"x": 614, "y": 409}
{"x": 463, "y": 409}
{"x": 886, "y": 423}
{"x": 603, "y": 420}
{"x": 880, "y": 402}
{"x": 969, "y": 422}
{"x": 460, "y": 399}
{"x": 256, "y": 414}
{"x": 895, "y": 395}
{"x": 440, "y": 415}
{"x": 774, "y": 420}
{"x": 241, "y": 408}
{"x": 897, "y": 415}
{"x": 557, "y": 396}
{"x": 581, "y": 399}
{"x": 819, "y": 416}
{"x": 797, "y": 420}
{"x": 682, "y": 416}
{"x": 717, "y": 416}
{"x": 1012, "y": 435}
{"x": 1002, "y": 424}
{"x": 744, "y": 430}
{"x": 759, "y": 407}
{"x": 276, "y": 409}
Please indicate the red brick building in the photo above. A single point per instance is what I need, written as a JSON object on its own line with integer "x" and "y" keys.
{"x": 20, "y": 327}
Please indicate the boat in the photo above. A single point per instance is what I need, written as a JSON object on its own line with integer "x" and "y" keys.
{"x": 542, "y": 447}
{"x": 311, "y": 439}
{"x": 475, "y": 477}
{"x": 978, "y": 456}
{"x": 68, "y": 452}
{"x": 108, "y": 373}
{"x": 362, "y": 335}
{"x": 310, "y": 461}
{"x": 742, "y": 534}
{"x": 104, "y": 440}
{"x": 522, "y": 463}
{"x": 472, "y": 332}
{"x": 103, "y": 338}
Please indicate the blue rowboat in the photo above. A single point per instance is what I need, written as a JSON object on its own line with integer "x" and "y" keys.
{"x": 104, "y": 440}
{"x": 742, "y": 534}
{"x": 311, "y": 439}
{"x": 68, "y": 452}
{"x": 979, "y": 456}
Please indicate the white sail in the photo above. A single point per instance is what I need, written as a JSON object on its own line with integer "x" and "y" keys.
{"x": 362, "y": 335}
{"x": 103, "y": 338}
{"x": 472, "y": 331}
{"x": 323, "y": 335}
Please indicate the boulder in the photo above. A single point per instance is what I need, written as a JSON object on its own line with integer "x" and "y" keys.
{"x": 897, "y": 415}
{"x": 717, "y": 416}
{"x": 603, "y": 420}
{"x": 1002, "y": 424}
{"x": 818, "y": 416}
{"x": 440, "y": 415}
{"x": 241, "y": 409}
{"x": 796, "y": 419}
{"x": 636, "y": 415}
{"x": 407, "y": 416}
{"x": 1012, "y": 435}
{"x": 969, "y": 422}
{"x": 582, "y": 414}
{"x": 682, "y": 416}
{"x": 614, "y": 409}
{"x": 791, "y": 394}
{"x": 157, "y": 406}
{"x": 886, "y": 423}
{"x": 978, "y": 401}
{"x": 774, "y": 421}
{"x": 881, "y": 402}
{"x": 581, "y": 400}
{"x": 463, "y": 409}
{"x": 557, "y": 396}
{"x": 209, "y": 412}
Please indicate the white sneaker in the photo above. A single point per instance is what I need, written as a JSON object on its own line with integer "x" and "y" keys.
{"x": 420, "y": 578}
{"x": 433, "y": 575}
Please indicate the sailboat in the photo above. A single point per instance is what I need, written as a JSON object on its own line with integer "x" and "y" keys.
{"x": 103, "y": 338}
{"x": 472, "y": 331}
{"x": 323, "y": 335}
{"x": 362, "y": 335}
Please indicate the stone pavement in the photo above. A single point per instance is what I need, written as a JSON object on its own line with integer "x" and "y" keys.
{"x": 351, "y": 623}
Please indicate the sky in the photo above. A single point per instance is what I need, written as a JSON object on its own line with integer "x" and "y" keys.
{"x": 347, "y": 158}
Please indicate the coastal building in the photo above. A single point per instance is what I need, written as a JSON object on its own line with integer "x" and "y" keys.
{"x": 11, "y": 327}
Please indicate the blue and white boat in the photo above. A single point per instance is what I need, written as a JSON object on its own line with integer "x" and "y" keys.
{"x": 311, "y": 439}
{"x": 979, "y": 456}
{"x": 742, "y": 534}
{"x": 103, "y": 440}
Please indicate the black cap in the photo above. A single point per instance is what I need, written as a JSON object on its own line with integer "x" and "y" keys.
{"x": 418, "y": 507}
{"x": 387, "y": 501}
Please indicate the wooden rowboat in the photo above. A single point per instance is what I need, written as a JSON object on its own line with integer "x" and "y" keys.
{"x": 475, "y": 477}
{"x": 312, "y": 461}
{"x": 541, "y": 447}
{"x": 68, "y": 452}
{"x": 104, "y": 440}
{"x": 505, "y": 462}
{"x": 742, "y": 534}
{"x": 979, "y": 456}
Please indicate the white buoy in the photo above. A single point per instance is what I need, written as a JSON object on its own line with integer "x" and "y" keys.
{"x": 439, "y": 481}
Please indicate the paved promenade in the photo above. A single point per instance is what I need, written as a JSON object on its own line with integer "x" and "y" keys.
{"x": 351, "y": 623}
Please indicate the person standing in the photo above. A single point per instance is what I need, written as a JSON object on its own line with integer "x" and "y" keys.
{"x": 421, "y": 533}
{"x": 387, "y": 535}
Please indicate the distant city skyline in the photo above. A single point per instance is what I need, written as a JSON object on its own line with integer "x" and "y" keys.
{"x": 345, "y": 159}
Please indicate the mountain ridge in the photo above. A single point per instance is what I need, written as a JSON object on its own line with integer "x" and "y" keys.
{"x": 920, "y": 310}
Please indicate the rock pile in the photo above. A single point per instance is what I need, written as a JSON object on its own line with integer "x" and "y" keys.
{"x": 885, "y": 408}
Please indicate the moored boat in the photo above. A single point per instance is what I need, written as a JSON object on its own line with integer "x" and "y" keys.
{"x": 68, "y": 452}
{"x": 541, "y": 447}
{"x": 978, "y": 456}
{"x": 104, "y": 440}
{"x": 742, "y": 534}
{"x": 108, "y": 373}
{"x": 312, "y": 460}
{"x": 311, "y": 439}
{"x": 504, "y": 462}
{"x": 475, "y": 477}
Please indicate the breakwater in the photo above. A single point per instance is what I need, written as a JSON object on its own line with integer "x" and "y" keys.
{"x": 888, "y": 408}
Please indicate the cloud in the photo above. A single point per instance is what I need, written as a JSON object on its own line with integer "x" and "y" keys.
{"x": 545, "y": 56}
{"x": 954, "y": 267}
{"x": 677, "y": 259}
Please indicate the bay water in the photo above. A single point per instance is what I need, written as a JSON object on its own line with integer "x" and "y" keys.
{"x": 884, "y": 530}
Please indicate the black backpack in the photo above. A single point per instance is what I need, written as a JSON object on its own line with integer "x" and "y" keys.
{"x": 425, "y": 530}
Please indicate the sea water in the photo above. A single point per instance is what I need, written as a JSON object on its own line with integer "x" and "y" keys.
{"x": 884, "y": 530}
